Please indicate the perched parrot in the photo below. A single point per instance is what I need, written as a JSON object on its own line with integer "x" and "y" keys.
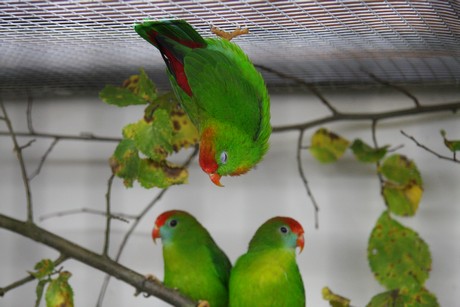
{"x": 268, "y": 275}
{"x": 222, "y": 93}
{"x": 193, "y": 263}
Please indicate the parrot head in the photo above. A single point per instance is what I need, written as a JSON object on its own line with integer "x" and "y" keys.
{"x": 279, "y": 232}
{"x": 228, "y": 153}
{"x": 175, "y": 225}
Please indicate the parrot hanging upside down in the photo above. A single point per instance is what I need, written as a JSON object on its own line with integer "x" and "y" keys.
{"x": 193, "y": 263}
{"x": 222, "y": 93}
{"x": 268, "y": 275}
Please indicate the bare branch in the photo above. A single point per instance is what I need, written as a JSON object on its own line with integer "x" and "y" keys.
{"x": 396, "y": 87}
{"x": 108, "y": 217}
{"x": 81, "y": 137}
{"x": 18, "y": 151}
{"x": 376, "y": 145}
{"x": 453, "y": 159}
{"x": 299, "y": 81}
{"x": 43, "y": 159}
{"x": 28, "y": 278}
{"x": 116, "y": 216}
{"x": 30, "y": 102}
{"x": 29, "y": 143}
{"x": 94, "y": 260}
{"x": 304, "y": 179}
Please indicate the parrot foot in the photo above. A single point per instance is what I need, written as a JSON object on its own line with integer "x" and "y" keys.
{"x": 203, "y": 304}
{"x": 148, "y": 277}
{"x": 229, "y": 35}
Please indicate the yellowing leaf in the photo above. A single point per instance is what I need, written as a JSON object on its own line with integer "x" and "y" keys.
{"x": 59, "y": 293}
{"x": 185, "y": 133}
{"x": 398, "y": 257}
{"x": 453, "y": 145}
{"x": 152, "y": 138}
{"x": 125, "y": 161}
{"x": 141, "y": 86}
{"x": 402, "y": 200}
{"x": 327, "y": 146}
{"x": 366, "y": 153}
{"x": 335, "y": 300}
{"x": 404, "y": 298}
{"x": 120, "y": 96}
{"x": 160, "y": 174}
{"x": 43, "y": 268}
{"x": 400, "y": 169}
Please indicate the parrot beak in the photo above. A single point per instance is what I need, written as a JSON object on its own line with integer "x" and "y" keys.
{"x": 155, "y": 233}
{"x": 215, "y": 178}
{"x": 300, "y": 242}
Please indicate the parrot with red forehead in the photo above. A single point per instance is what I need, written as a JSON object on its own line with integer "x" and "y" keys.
{"x": 220, "y": 90}
{"x": 268, "y": 275}
{"x": 193, "y": 263}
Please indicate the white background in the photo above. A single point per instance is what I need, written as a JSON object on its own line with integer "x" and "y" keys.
{"x": 76, "y": 173}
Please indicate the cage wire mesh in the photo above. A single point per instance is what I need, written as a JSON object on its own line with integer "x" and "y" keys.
{"x": 87, "y": 44}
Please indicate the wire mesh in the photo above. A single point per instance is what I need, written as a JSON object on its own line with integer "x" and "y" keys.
{"x": 76, "y": 44}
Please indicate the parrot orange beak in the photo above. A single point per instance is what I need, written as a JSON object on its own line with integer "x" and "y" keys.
{"x": 300, "y": 242}
{"x": 215, "y": 178}
{"x": 155, "y": 233}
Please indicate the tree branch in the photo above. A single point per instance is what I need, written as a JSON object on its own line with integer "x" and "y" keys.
{"x": 94, "y": 260}
{"x": 28, "y": 278}
{"x": 116, "y": 216}
{"x": 43, "y": 159}
{"x": 396, "y": 87}
{"x": 81, "y": 137}
{"x": 428, "y": 149}
{"x": 108, "y": 217}
{"x": 18, "y": 151}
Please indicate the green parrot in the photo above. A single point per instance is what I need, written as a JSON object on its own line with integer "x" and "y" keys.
{"x": 268, "y": 275}
{"x": 193, "y": 263}
{"x": 222, "y": 93}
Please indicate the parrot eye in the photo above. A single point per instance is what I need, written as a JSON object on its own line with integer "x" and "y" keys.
{"x": 223, "y": 157}
{"x": 173, "y": 223}
{"x": 283, "y": 229}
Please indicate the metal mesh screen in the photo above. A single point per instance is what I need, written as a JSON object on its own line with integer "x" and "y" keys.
{"x": 76, "y": 44}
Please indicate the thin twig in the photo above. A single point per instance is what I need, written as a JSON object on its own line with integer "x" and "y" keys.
{"x": 22, "y": 164}
{"x": 108, "y": 217}
{"x": 454, "y": 159}
{"x": 133, "y": 227}
{"x": 81, "y": 137}
{"x": 299, "y": 81}
{"x": 28, "y": 278}
{"x": 29, "y": 143}
{"x": 304, "y": 179}
{"x": 30, "y": 102}
{"x": 115, "y": 216}
{"x": 43, "y": 159}
{"x": 396, "y": 87}
{"x": 376, "y": 145}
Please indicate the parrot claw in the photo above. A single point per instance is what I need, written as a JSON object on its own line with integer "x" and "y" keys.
{"x": 148, "y": 277}
{"x": 203, "y": 304}
{"x": 229, "y": 35}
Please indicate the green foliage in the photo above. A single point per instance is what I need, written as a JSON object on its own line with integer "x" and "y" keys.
{"x": 59, "y": 293}
{"x": 401, "y": 298}
{"x": 403, "y": 189}
{"x": 164, "y": 129}
{"x": 335, "y": 300}
{"x": 327, "y": 146}
{"x": 453, "y": 145}
{"x": 398, "y": 257}
{"x": 365, "y": 153}
{"x": 43, "y": 268}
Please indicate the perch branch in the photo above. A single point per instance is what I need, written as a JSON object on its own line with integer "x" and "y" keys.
{"x": 94, "y": 260}
{"x": 28, "y": 278}
{"x": 18, "y": 151}
{"x": 304, "y": 179}
{"x": 428, "y": 149}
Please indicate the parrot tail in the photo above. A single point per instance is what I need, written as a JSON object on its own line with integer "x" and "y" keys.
{"x": 173, "y": 38}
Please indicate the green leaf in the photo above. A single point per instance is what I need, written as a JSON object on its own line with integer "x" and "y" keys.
{"x": 120, "y": 96}
{"x": 146, "y": 89}
{"x": 400, "y": 169}
{"x": 398, "y": 257}
{"x": 402, "y": 200}
{"x": 39, "y": 291}
{"x": 453, "y": 145}
{"x": 365, "y": 153}
{"x": 327, "y": 146}
{"x": 152, "y": 138}
{"x": 335, "y": 300}
{"x": 160, "y": 174}
{"x": 125, "y": 161}
{"x": 59, "y": 293}
{"x": 43, "y": 268}
{"x": 402, "y": 298}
